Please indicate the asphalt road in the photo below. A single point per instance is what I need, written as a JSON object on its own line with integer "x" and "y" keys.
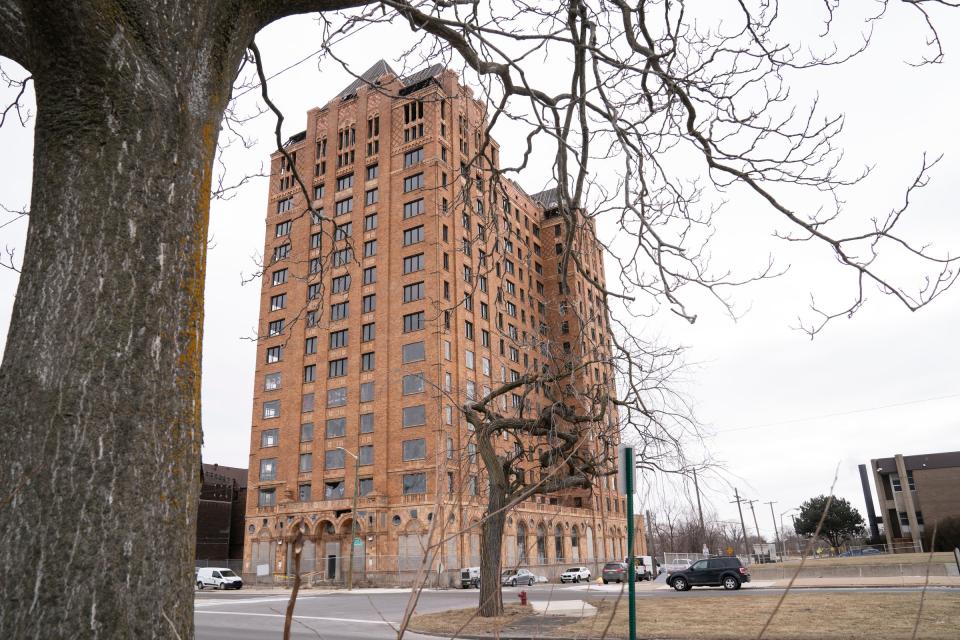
{"x": 373, "y": 614}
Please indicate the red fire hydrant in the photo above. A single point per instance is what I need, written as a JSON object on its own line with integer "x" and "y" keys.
{"x": 523, "y": 598}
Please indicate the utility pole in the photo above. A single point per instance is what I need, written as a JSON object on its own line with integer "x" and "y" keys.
{"x": 696, "y": 487}
{"x": 755, "y": 525}
{"x": 743, "y": 526}
{"x": 775, "y": 531}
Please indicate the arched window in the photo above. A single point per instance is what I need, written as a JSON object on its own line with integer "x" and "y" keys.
{"x": 541, "y": 545}
{"x": 558, "y": 543}
{"x": 411, "y": 544}
{"x": 521, "y": 543}
{"x": 474, "y": 545}
{"x": 575, "y": 543}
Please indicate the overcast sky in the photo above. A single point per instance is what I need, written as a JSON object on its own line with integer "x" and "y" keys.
{"x": 780, "y": 411}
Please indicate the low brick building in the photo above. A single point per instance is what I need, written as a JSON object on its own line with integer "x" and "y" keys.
{"x": 220, "y": 513}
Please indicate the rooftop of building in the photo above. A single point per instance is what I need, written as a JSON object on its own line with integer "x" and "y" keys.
{"x": 548, "y": 198}
{"x": 219, "y": 474}
{"x": 924, "y": 461}
{"x": 381, "y": 68}
{"x": 371, "y": 78}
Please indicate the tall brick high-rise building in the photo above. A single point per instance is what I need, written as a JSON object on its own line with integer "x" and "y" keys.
{"x": 416, "y": 287}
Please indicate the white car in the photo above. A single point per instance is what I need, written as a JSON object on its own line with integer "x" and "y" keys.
{"x": 575, "y": 574}
{"x": 218, "y": 578}
{"x": 678, "y": 564}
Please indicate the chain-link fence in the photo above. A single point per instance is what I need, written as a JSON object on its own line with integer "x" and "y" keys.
{"x": 395, "y": 571}
{"x": 853, "y": 570}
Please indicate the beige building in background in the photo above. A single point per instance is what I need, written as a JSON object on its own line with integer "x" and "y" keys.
{"x": 914, "y": 493}
{"x": 431, "y": 289}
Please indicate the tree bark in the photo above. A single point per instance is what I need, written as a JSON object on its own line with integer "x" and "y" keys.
{"x": 491, "y": 544}
{"x": 100, "y": 381}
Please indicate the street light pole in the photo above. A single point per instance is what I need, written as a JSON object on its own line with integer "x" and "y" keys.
{"x": 794, "y": 518}
{"x": 784, "y": 529}
{"x": 353, "y": 514}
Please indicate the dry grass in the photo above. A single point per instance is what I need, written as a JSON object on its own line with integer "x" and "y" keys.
{"x": 803, "y": 616}
{"x": 887, "y": 558}
{"x": 449, "y": 622}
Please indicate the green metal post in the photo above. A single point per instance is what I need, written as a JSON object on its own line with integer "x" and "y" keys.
{"x": 632, "y": 569}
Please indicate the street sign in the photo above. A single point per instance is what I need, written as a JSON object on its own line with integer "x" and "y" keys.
{"x": 357, "y": 542}
{"x": 729, "y": 551}
{"x": 626, "y": 480}
{"x": 622, "y": 471}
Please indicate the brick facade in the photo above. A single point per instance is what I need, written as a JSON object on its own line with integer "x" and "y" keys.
{"x": 221, "y": 513}
{"x": 398, "y": 149}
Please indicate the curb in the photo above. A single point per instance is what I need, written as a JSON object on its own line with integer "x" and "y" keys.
{"x": 501, "y": 636}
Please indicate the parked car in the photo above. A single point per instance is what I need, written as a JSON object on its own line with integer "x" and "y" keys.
{"x": 644, "y": 567}
{"x": 518, "y": 576}
{"x": 218, "y": 578}
{"x": 678, "y": 564}
{"x": 614, "y": 572}
{"x": 713, "y": 572}
{"x": 870, "y": 551}
{"x": 470, "y": 577}
{"x": 575, "y": 574}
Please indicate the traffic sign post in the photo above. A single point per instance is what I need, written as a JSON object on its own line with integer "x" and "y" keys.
{"x": 627, "y": 474}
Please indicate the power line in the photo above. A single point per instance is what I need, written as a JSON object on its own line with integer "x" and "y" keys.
{"x": 284, "y": 70}
{"x": 300, "y": 61}
{"x": 840, "y": 413}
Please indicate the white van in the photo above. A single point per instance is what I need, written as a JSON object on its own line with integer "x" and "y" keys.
{"x": 218, "y": 578}
{"x": 644, "y": 567}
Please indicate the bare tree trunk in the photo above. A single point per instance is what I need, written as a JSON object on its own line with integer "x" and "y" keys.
{"x": 491, "y": 547}
{"x": 100, "y": 381}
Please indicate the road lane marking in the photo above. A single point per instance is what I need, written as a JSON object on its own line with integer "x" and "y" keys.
{"x": 213, "y": 603}
{"x": 280, "y": 615}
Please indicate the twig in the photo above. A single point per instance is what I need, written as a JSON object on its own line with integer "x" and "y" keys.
{"x": 926, "y": 582}
{"x": 803, "y": 556}
{"x": 173, "y": 627}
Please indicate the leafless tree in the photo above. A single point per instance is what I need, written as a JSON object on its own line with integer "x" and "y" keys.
{"x": 677, "y": 530}
{"x": 101, "y": 371}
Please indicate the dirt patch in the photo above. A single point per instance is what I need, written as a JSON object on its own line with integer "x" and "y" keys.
{"x": 456, "y": 621}
{"x": 803, "y": 616}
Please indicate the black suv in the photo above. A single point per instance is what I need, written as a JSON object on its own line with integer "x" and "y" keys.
{"x": 713, "y": 572}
